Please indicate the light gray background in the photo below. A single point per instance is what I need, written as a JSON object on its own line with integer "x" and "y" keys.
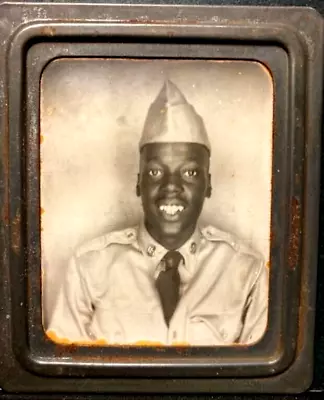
{"x": 92, "y": 114}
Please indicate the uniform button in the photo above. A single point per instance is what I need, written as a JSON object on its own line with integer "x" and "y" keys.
{"x": 223, "y": 333}
{"x": 234, "y": 245}
{"x": 174, "y": 335}
{"x": 150, "y": 250}
{"x": 193, "y": 248}
{"x": 91, "y": 335}
{"x": 130, "y": 234}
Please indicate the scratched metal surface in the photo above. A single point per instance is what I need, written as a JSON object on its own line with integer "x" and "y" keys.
{"x": 317, "y": 389}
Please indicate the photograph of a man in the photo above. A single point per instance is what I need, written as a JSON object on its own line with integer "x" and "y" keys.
{"x": 168, "y": 280}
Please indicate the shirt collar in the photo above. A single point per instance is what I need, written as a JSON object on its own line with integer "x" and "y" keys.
{"x": 154, "y": 251}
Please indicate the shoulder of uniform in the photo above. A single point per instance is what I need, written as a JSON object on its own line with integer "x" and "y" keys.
{"x": 213, "y": 234}
{"x": 125, "y": 236}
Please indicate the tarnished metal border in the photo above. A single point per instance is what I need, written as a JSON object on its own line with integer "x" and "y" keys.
{"x": 240, "y": 25}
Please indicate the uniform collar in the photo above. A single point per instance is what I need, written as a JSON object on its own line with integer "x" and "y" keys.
{"x": 154, "y": 251}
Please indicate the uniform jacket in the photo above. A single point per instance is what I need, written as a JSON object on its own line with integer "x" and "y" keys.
{"x": 109, "y": 292}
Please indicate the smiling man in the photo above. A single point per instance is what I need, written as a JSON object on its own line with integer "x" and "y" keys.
{"x": 167, "y": 280}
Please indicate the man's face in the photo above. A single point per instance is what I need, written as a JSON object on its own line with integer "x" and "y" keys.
{"x": 173, "y": 183}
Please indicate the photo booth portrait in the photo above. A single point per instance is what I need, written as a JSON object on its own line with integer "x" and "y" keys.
{"x": 156, "y": 201}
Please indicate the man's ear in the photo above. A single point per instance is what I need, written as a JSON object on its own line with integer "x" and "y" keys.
{"x": 138, "y": 188}
{"x": 209, "y": 187}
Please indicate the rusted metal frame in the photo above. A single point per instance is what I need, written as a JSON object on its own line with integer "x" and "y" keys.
{"x": 50, "y": 30}
{"x": 308, "y": 273}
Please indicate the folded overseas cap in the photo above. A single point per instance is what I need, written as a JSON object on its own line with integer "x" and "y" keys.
{"x": 171, "y": 119}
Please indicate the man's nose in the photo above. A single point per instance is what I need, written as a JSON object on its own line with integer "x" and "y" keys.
{"x": 172, "y": 183}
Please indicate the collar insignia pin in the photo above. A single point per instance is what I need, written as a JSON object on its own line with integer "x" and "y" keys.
{"x": 150, "y": 250}
{"x": 193, "y": 248}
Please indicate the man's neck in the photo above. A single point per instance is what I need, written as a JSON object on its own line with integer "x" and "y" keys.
{"x": 171, "y": 242}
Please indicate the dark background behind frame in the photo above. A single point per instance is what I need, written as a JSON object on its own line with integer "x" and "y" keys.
{"x": 317, "y": 389}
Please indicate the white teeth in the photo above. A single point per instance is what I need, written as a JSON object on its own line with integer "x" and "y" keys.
{"x": 172, "y": 209}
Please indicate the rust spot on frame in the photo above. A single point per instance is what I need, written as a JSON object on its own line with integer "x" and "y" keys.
{"x": 5, "y": 210}
{"x": 297, "y": 179}
{"x": 15, "y": 233}
{"x": 294, "y": 239}
{"x": 48, "y": 31}
{"x": 72, "y": 346}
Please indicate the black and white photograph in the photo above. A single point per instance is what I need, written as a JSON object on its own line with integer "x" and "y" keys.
{"x": 155, "y": 201}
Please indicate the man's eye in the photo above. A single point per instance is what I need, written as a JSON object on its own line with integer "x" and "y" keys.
{"x": 190, "y": 173}
{"x": 155, "y": 173}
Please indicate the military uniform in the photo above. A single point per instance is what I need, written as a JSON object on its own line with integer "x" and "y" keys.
{"x": 110, "y": 293}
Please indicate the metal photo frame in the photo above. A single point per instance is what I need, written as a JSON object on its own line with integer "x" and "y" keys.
{"x": 289, "y": 43}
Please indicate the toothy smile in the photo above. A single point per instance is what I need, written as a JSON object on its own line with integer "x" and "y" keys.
{"x": 171, "y": 209}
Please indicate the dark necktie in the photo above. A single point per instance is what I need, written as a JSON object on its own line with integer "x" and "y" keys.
{"x": 168, "y": 283}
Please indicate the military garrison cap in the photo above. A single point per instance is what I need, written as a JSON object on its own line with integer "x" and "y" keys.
{"x": 171, "y": 119}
